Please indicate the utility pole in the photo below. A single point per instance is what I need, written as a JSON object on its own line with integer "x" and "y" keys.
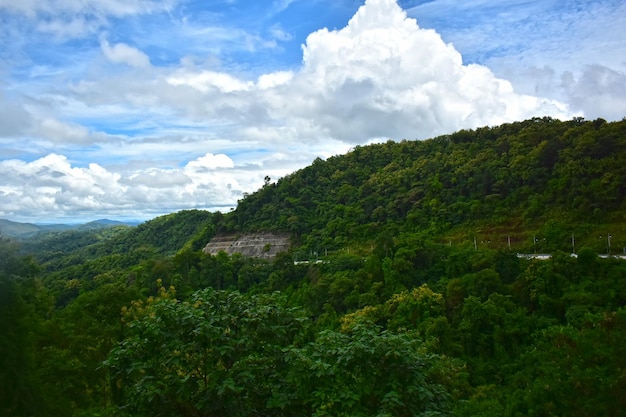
{"x": 573, "y": 244}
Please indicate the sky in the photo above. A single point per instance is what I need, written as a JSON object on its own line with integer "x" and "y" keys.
{"x": 130, "y": 109}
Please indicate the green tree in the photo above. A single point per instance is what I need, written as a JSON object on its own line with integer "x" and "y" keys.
{"x": 574, "y": 371}
{"x": 217, "y": 353}
{"x": 75, "y": 342}
{"x": 363, "y": 372}
{"x": 20, "y": 389}
{"x": 20, "y": 392}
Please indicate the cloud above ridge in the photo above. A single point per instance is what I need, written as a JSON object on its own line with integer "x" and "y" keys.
{"x": 381, "y": 76}
{"x": 133, "y": 136}
{"x": 53, "y": 188}
{"x": 384, "y": 76}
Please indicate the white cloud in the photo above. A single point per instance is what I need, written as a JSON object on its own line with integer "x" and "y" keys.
{"x": 51, "y": 185}
{"x": 64, "y": 133}
{"x": 125, "y": 54}
{"x": 158, "y": 179}
{"x": 382, "y": 75}
{"x": 207, "y": 80}
{"x": 274, "y": 79}
{"x": 210, "y": 162}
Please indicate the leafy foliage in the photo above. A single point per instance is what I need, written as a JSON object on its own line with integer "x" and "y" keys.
{"x": 223, "y": 353}
{"x": 364, "y": 372}
{"x": 20, "y": 393}
{"x": 588, "y": 359}
{"x": 218, "y": 353}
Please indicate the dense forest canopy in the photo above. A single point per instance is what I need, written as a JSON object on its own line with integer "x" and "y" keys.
{"x": 417, "y": 303}
{"x": 517, "y": 178}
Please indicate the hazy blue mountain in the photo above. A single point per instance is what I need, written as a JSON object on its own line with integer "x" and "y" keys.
{"x": 19, "y": 230}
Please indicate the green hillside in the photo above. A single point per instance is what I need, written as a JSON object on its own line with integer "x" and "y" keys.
{"x": 414, "y": 301}
{"x": 164, "y": 235}
{"x": 540, "y": 176}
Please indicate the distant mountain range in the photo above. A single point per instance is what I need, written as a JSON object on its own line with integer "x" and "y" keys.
{"x": 19, "y": 230}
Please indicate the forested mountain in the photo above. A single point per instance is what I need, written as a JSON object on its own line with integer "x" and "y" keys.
{"x": 15, "y": 229}
{"x": 417, "y": 304}
{"x": 28, "y": 231}
{"x": 164, "y": 235}
{"x": 518, "y": 176}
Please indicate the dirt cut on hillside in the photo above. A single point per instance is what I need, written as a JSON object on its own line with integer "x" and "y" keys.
{"x": 253, "y": 245}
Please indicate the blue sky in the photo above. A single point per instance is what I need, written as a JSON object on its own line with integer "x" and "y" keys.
{"x": 129, "y": 109}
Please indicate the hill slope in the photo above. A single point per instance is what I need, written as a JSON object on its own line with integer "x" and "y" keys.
{"x": 515, "y": 177}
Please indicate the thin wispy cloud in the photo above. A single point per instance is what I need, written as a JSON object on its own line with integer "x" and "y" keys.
{"x": 162, "y": 106}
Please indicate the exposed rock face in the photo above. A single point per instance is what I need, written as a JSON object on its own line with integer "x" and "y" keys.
{"x": 254, "y": 245}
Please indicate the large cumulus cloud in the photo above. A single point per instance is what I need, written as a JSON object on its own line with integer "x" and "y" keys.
{"x": 380, "y": 76}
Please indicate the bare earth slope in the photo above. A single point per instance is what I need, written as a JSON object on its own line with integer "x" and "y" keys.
{"x": 255, "y": 245}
